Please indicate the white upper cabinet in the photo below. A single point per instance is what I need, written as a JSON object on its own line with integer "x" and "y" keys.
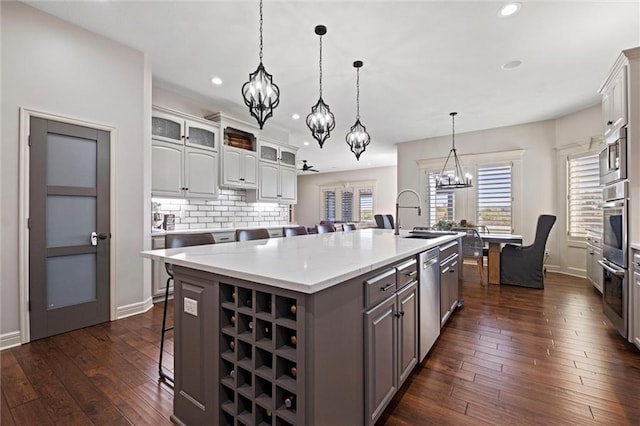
{"x": 239, "y": 168}
{"x": 184, "y": 158}
{"x": 614, "y": 101}
{"x": 278, "y": 180}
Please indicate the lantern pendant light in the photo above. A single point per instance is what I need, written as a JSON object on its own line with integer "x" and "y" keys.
{"x": 459, "y": 179}
{"x": 358, "y": 138}
{"x": 321, "y": 120}
{"x": 260, "y": 93}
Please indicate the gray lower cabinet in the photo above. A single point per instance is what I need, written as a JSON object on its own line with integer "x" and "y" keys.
{"x": 391, "y": 342}
{"x": 449, "y": 284}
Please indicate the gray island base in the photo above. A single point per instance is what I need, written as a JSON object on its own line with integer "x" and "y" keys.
{"x": 252, "y": 353}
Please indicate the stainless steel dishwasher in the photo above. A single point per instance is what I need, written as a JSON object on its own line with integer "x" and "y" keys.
{"x": 429, "y": 299}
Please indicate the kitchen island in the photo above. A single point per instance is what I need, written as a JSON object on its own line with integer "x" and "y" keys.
{"x": 316, "y": 329}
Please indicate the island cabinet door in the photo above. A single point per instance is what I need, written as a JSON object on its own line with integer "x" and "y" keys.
{"x": 407, "y": 331}
{"x": 380, "y": 358}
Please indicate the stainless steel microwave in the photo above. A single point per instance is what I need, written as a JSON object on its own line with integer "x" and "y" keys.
{"x": 613, "y": 158}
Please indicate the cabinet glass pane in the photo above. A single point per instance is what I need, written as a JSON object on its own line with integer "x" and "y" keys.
{"x": 71, "y": 280}
{"x": 287, "y": 157}
{"x": 198, "y": 136}
{"x": 166, "y": 128}
{"x": 71, "y": 161}
{"x": 268, "y": 153}
{"x": 70, "y": 220}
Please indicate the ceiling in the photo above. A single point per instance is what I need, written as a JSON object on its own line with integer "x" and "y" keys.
{"x": 422, "y": 60}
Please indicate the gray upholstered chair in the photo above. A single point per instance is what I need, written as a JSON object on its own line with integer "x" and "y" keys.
{"x": 472, "y": 248}
{"x": 384, "y": 221}
{"x": 292, "y": 231}
{"x": 176, "y": 241}
{"x": 251, "y": 234}
{"x": 523, "y": 265}
{"x": 348, "y": 226}
{"x": 323, "y": 228}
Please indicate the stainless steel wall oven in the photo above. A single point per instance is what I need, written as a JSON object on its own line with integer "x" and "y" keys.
{"x": 615, "y": 255}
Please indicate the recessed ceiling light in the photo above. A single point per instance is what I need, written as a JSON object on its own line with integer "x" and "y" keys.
{"x": 305, "y": 143}
{"x": 295, "y": 116}
{"x": 509, "y": 9}
{"x": 511, "y": 65}
{"x": 217, "y": 81}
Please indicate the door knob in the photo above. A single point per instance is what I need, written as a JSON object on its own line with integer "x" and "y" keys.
{"x": 102, "y": 236}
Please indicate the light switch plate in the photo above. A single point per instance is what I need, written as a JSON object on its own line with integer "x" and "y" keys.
{"x": 190, "y": 306}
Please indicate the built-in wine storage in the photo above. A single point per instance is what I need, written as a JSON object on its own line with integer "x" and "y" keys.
{"x": 259, "y": 358}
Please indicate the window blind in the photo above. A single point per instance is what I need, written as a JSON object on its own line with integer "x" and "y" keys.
{"x": 494, "y": 198}
{"x": 347, "y": 206}
{"x": 441, "y": 203}
{"x": 330, "y": 205}
{"x": 366, "y": 204}
{"x": 584, "y": 194}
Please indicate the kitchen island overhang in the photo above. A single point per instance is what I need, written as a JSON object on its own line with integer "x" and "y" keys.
{"x": 237, "y": 342}
{"x": 305, "y": 263}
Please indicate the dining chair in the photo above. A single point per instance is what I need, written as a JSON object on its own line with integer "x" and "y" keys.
{"x": 251, "y": 234}
{"x": 523, "y": 265}
{"x": 294, "y": 230}
{"x": 176, "y": 241}
{"x": 472, "y": 248}
{"x": 348, "y": 226}
{"x": 323, "y": 228}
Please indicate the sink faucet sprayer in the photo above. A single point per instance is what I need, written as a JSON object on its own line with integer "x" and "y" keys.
{"x": 398, "y": 207}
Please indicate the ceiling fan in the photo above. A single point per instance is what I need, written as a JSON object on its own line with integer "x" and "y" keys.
{"x": 307, "y": 168}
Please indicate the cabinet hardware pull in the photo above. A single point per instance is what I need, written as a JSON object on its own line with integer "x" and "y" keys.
{"x": 396, "y": 314}
{"x": 452, "y": 271}
{"x": 386, "y": 287}
{"x": 609, "y": 123}
{"x": 411, "y": 274}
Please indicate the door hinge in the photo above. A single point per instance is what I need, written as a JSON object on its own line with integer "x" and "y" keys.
{"x": 29, "y": 223}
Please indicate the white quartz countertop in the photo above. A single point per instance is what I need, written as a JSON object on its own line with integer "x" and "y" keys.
{"x": 305, "y": 263}
{"x": 635, "y": 246}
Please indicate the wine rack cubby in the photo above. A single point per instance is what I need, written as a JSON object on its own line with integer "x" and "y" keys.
{"x": 259, "y": 357}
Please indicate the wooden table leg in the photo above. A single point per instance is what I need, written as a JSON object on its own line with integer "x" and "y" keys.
{"x": 494, "y": 263}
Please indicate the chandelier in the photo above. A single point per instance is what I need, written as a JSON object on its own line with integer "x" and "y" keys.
{"x": 260, "y": 93}
{"x": 456, "y": 179}
{"x": 321, "y": 120}
{"x": 358, "y": 138}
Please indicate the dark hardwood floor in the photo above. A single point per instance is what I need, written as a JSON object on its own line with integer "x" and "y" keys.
{"x": 512, "y": 355}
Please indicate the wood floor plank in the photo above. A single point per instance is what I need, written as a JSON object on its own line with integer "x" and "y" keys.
{"x": 6, "y": 419}
{"x": 31, "y": 413}
{"x": 15, "y": 385}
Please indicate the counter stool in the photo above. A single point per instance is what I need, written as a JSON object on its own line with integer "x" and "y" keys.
{"x": 176, "y": 241}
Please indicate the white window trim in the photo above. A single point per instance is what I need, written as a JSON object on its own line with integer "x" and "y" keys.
{"x": 338, "y": 187}
{"x": 465, "y": 201}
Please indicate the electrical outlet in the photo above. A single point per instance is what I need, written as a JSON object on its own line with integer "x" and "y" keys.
{"x": 190, "y": 306}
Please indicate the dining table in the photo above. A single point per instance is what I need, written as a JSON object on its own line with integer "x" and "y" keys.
{"x": 495, "y": 242}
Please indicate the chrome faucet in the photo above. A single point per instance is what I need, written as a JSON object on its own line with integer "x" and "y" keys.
{"x": 398, "y": 207}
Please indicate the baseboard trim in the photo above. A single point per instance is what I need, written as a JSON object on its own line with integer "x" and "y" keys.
{"x": 134, "y": 309}
{"x": 10, "y": 340}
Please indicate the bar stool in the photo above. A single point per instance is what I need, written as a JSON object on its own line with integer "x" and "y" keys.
{"x": 293, "y": 231}
{"x": 252, "y": 234}
{"x": 176, "y": 241}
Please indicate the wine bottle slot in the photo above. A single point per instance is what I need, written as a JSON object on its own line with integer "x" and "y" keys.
{"x": 293, "y": 309}
{"x": 232, "y": 345}
{"x": 294, "y": 340}
{"x": 289, "y": 401}
{"x": 250, "y": 325}
{"x": 294, "y": 371}
{"x": 248, "y": 302}
{"x": 233, "y": 296}
{"x": 233, "y": 319}
{"x": 232, "y": 373}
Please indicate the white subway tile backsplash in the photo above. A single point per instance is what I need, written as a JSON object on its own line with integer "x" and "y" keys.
{"x": 230, "y": 210}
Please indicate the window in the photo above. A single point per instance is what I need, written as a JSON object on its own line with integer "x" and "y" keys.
{"x": 347, "y": 206}
{"x": 329, "y": 203}
{"x": 347, "y": 202}
{"x": 441, "y": 203}
{"x": 583, "y": 194}
{"x": 494, "y": 198}
{"x": 366, "y": 205}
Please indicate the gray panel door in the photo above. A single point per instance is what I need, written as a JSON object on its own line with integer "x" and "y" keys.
{"x": 408, "y": 331}
{"x": 69, "y": 227}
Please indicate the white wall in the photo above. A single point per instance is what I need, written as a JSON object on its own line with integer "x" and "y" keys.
{"x": 543, "y": 184}
{"x": 307, "y": 211}
{"x": 55, "y": 67}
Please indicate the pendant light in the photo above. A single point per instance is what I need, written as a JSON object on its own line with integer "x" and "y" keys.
{"x": 321, "y": 120}
{"x": 458, "y": 179}
{"x": 358, "y": 138}
{"x": 260, "y": 93}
